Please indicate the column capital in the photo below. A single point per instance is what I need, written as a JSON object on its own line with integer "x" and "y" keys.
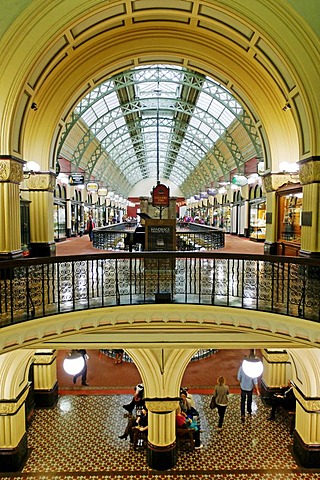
{"x": 45, "y": 181}
{"x": 11, "y": 169}
{"x": 310, "y": 170}
{"x": 10, "y": 407}
{"x": 309, "y": 404}
{"x": 273, "y": 181}
{"x": 162, "y": 405}
{"x": 275, "y": 356}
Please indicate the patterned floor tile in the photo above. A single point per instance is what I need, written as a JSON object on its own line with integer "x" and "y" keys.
{"x": 78, "y": 439}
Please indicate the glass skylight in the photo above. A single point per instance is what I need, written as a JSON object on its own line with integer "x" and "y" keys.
{"x": 164, "y": 117}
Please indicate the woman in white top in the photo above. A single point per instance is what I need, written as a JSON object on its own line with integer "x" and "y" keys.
{"x": 221, "y": 392}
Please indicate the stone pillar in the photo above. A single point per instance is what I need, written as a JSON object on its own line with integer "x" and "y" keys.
{"x": 162, "y": 453}
{"x": 276, "y": 371}
{"x": 310, "y": 224}
{"x": 45, "y": 378}
{"x": 306, "y": 437}
{"x": 161, "y": 371}
{"x": 11, "y": 174}
{"x": 41, "y": 187}
{"x": 13, "y": 436}
{"x": 14, "y": 391}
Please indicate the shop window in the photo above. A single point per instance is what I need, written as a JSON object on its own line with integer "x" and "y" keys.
{"x": 290, "y": 217}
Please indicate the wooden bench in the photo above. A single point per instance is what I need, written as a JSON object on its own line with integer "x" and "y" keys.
{"x": 290, "y": 416}
{"x": 185, "y": 435}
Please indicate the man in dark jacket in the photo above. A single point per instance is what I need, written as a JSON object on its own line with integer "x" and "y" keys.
{"x": 285, "y": 398}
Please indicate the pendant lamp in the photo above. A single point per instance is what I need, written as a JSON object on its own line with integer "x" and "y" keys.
{"x": 252, "y": 365}
{"x": 73, "y": 363}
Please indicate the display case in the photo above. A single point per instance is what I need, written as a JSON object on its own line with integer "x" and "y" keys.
{"x": 59, "y": 220}
{"x": 257, "y": 226}
{"x": 289, "y": 221}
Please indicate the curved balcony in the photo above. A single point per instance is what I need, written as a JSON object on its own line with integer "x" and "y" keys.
{"x": 34, "y": 288}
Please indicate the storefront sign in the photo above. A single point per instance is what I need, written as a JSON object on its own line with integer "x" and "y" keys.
{"x": 160, "y": 234}
{"x": 92, "y": 187}
{"x": 160, "y": 196}
{"x": 76, "y": 179}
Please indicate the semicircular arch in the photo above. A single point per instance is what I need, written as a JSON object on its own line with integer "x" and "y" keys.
{"x": 190, "y": 326}
{"x": 243, "y": 57}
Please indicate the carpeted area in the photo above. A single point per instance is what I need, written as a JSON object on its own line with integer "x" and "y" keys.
{"x": 104, "y": 375}
{"x": 82, "y": 245}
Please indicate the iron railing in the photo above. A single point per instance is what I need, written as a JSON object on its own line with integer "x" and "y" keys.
{"x": 33, "y": 288}
{"x": 189, "y": 237}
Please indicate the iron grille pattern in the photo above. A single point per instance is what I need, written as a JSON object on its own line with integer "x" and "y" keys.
{"x": 33, "y": 288}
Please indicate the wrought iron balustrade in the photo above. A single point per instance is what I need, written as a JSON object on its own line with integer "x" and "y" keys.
{"x": 189, "y": 237}
{"x": 33, "y": 288}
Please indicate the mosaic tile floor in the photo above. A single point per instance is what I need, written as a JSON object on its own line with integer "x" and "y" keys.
{"x": 78, "y": 439}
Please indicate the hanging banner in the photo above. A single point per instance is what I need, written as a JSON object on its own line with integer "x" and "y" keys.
{"x": 160, "y": 196}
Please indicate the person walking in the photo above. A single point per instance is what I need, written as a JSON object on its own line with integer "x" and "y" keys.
{"x": 83, "y": 372}
{"x": 221, "y": 392}
{"x": 247, "y": 385}
{"x": 90, "y": 226}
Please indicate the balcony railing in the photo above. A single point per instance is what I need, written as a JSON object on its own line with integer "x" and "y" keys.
{"x": 189, "y": 237}
{"x": 33, "y": 288}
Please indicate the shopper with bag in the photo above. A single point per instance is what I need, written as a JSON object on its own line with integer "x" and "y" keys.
{"x": 220, "y": 399}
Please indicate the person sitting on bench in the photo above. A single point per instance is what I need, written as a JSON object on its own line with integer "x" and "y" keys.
{"x": 285, "y": 399}
{"x": 182, "y": 421}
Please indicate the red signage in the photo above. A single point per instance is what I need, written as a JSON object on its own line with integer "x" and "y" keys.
{"x": 160, "y": 196}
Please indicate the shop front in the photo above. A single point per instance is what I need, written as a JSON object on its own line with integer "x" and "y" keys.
{"x": 257, "y": 216}
{"x": 289, "y": 219}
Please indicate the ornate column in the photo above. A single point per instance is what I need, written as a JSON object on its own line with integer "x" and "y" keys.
{"x": 13, "y": 436}
{"x": 11, "y": 174}
{"x": 45, "y": 378}
{"x": 310, "y": 224}
{"x": 41, "y": 188}
{"x": 161, "y": 372}
{"x": 14, "y": 391}
{"x": 276, "y": 370}
{"x": 162, "y": 453}
{"x": 306, "y": 437}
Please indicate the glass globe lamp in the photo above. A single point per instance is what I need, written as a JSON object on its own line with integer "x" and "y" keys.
{"x": 73, "y": 363}
{"x": 252, "y": 366}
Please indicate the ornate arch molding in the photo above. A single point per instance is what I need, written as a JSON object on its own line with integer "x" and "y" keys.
{"x": 14, "y": 368}
{"x": 306, "y": 373}
{"x": 187, "y": 326}
{"x": 52, "y": 79}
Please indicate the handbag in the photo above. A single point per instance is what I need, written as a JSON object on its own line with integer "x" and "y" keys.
{"x": 213, "y": 404}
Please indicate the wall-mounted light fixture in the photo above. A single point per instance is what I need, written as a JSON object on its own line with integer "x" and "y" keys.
{"x": 287, "y": 167}
{"x": 34, "y": 106}
{"x": 286, "y": 107}
{"x": 30, "y": 168}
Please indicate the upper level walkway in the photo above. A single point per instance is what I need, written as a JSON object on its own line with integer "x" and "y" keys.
{"x": 81, "y": 278}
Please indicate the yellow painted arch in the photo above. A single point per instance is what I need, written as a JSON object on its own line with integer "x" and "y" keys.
{"x": 152, "y": 326}
{"x": 261, "y": 56}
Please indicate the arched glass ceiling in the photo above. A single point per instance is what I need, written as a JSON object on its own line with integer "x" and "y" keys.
{"x": 158, "y": 122}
